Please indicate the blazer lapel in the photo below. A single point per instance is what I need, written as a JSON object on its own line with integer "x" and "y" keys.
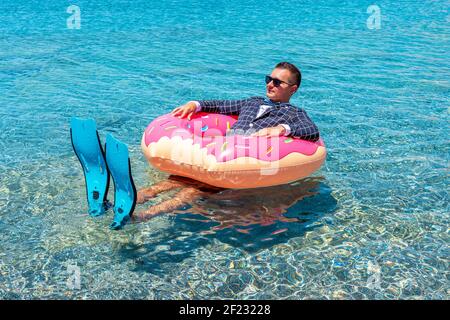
{"x": 265, "y": 103}
{"x": 265, "y": 112}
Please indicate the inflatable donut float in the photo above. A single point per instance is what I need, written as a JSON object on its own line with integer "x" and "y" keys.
{"x": 199, "y": 149}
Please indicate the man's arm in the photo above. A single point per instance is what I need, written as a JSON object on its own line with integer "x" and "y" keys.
{"x": 230, "y": 107}
{"x": 213, "y": 106}
{"x": 301, "y": 126}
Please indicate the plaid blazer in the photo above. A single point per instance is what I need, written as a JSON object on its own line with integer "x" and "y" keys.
{"x": 279, "y": 113}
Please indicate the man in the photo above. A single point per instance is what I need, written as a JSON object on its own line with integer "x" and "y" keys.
{"x": 258, "y": 116}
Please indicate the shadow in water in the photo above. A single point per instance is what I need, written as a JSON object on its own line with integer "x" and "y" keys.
{"x": 249, "y": 219}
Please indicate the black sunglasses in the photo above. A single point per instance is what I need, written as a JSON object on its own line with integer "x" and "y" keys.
{"x": 276, "y": 82}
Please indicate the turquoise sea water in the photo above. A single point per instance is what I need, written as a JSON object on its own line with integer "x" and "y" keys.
{"x": 373, "y": 223}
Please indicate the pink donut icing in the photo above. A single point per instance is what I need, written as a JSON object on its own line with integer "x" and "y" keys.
{"x": 199, "y": 149}
{"x": 209, "y": 129}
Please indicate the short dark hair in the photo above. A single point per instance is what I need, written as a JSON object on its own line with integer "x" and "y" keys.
{"x": 293, "y": 69}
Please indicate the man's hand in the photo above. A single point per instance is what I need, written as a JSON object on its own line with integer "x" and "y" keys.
{"x": 187, "y": 109}
{"x": 270, "y": 132}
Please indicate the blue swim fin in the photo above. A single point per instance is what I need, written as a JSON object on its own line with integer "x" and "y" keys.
{"x": 125, "y": 191}
{"x": 87, "y": 147}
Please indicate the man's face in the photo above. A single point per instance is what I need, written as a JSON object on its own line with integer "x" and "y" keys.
{"x": 284, "y": 91}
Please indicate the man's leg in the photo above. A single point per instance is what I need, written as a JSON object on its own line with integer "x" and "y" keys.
{"x": 146, "y": 194}
{"x": 186, "y": 195}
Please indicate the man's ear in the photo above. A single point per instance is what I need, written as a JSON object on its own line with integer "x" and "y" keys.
{"x": 295, "y": 88}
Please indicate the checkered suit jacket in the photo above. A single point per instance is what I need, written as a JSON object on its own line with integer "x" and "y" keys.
{"x": 279, "y": 113}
